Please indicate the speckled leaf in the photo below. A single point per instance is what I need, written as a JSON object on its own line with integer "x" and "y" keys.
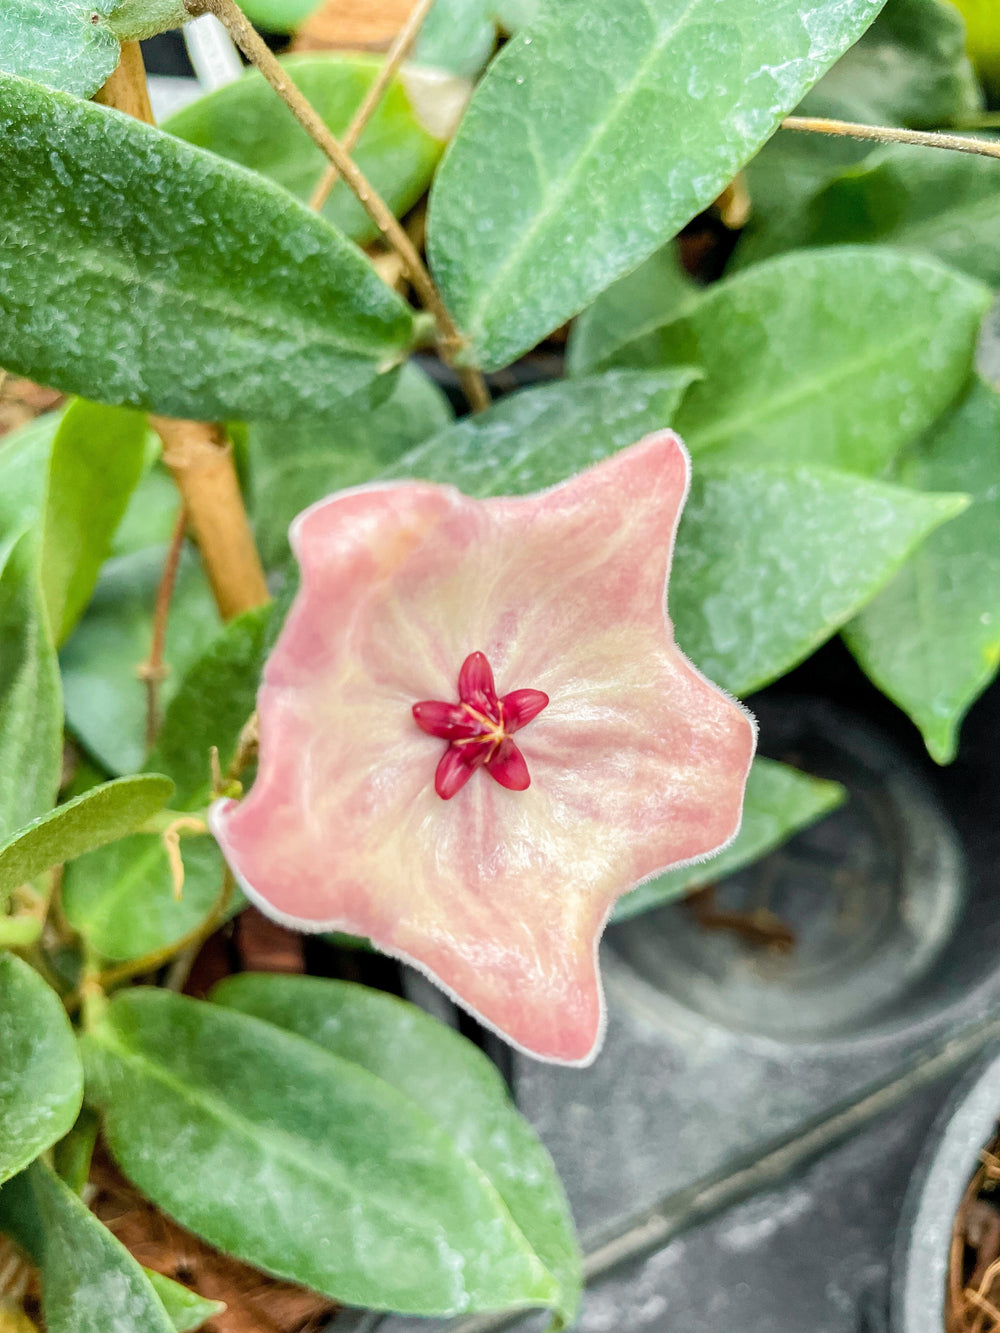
{"x": 30, "y": 697}
{"x": 186, "y": 1310}
{"x": 293, "y": 465}
{"x": 931, "y": 639}
{"x": 596, "y": 134}
{"x": 771, "y": 561}
{"x": 90, "y": 1282}
{"x": 779, "y": 802}
{"x": 445, "y": 1076}
{"x": 654, "y": 293}
{"x": 941, "y": 204}
{"x": 121, "y": 898}
{"x": 910, "y": 68}
{"x": 105, "y": 699}
{"x": 835, "y": 357}
{"x": 96, "y": 461}
{"x": 292, "y": 1184}
{"x": 101, "y": 815}
{"x": 41, "y": 1083}
{"x": 64, "y": 44}
{"x": 196, "y": 288}
{"x": 535, "y": 437}
{"x": 397, "y": 152}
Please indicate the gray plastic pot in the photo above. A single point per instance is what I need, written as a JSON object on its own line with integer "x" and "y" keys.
{"x": 920, "y": 1262}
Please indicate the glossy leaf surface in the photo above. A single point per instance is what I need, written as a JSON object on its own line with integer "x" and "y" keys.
{"x": 779, "y": 802}
{"x": 941, "y": 204}
{"x": 445, "y": 1076}
{"x": 96, "y": 461}
{"x": 397, "y": 152}
{"x": 596, "y": 134}
{"x": 367, "y": 1199}
{"x": 931, "y": 639}
{"x": 64, "y": 44}
{"x": 771, "y": 561}
{"x": 227, "y": 298}
{"x": 836, "y": 357}
{"x": 99, "y": 816}
{"x": 41, "y": 1082}
{"x": 122, "y": 897}
{"x": 90, "y": 1282}
{"x": 293, "y": 465}
{"x": 30, "y": 696}
{"x": 536, "y": 437}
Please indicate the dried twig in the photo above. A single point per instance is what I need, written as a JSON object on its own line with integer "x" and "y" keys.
{"x": 846, "y": 129}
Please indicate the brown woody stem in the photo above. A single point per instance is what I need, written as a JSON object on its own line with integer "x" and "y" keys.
{"x": 197, "y": 452}
{"x": 246, "y": 37}
{"x": 395, "y": 56}
{"x": 846, "y": 129}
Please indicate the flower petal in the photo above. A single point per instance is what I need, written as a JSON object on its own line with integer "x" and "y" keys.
{"x": 475, "y": 684}
{"x": 446, "y": 721}
{"x": 508, "y": 767}
{"x": 520, "y": 706}
{"x": 452, "y": 773}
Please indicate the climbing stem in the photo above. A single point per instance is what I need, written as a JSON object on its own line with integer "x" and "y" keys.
{"x": 846, "y": 129}
{"x": 246, "y": 37}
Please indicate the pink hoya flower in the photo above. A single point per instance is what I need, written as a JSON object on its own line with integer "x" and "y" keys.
{"x": 477, "y": 732}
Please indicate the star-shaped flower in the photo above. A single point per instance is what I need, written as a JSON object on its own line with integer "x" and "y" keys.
{"x": 497, "y": 883}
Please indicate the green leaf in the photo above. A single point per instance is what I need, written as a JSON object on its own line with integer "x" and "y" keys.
{"x": 293, "y": 465}
{"x": 535, "y": 437}
{"x": 657, "y": 291}
{"x": 105, "y": 699}
{"x": 30, "y": 697}
{"x": 24, "y": 458}
{"x": 41, "y": 1082}
{"x": 279, "y": 15}
{"x": 135, "y": 20}
{"x": 398, "y": 150}
{"x": 186, "y": 1310}
{"x": 121, "y": 898}
{"x": 835, "y": 357}
{"x": 596, "y": 135}
{"x": 195, "y": 288}
{"x": 441, "y": 1073}
{"x": 458, "y": 36}
{"x": 99, "y": 816}
{"x": 90, "y": 1282}
{"x": 931, "y": 639}
{"x": 96, "y": 461}
{"x": 368, "y": 1200}
{"x": 72, "y": 1155}
{"x": 920, "y": 199}
{"x": 65, "y": 44}
{"x": 771, "y": 561}
{"x": 151, "y": 514}
{"x": 779, "y": 802}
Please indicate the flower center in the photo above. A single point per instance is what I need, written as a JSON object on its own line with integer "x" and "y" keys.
{"x": 479, "y": 728}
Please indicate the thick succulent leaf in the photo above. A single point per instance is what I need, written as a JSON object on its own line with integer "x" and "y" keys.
{"x": 771, "y": 561}
{"x": 596, "y": 134}
{"x": 537, "y": 437}
{"x": 367, "y": 1200}
{"x": 24, "y": 457}
{"x": 836, "y": 357}
{"x": 122, "y": 897}
{"x": 293, "y": 465}
{"x": 97, "y": 458}
{"x": 105, "y": 699}
{"x": 263, "y": 309}
{"x": 941, "y": 204}
{"x": 931, "y": 639}
{"x": 910, "y": 68}
{"x": 779, "y": 802}
{"x": 90, "y": 1282}
{"x": 185, "y": 1309}
{"x": 100, "y": 815}
{"x": 30, "y": 697}
{"x": 644, "y": 300}
{"x": 458, "y": 35}
{"x": 41, "y": 1082}
{"x": 441, "y": 1073}
{"x": 398, "y": 150}
{"x": 64, "y": 44}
